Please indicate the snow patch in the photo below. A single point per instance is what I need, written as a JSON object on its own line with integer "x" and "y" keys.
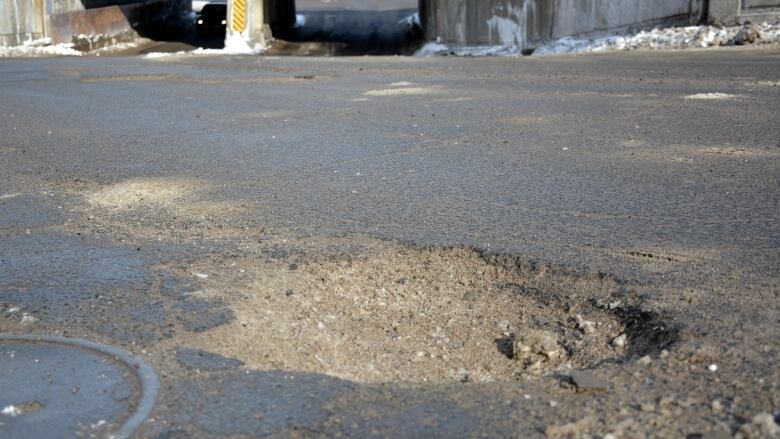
{"x": 38, "y": 48}
{"x": 154, "y": 55}
{"x": 689, "y": 37}
{"x": 411, "y": 21}
{"x": 11, "y": 411}
{"x": 407, "y": 91}
{"x": 439, "y": 49}
{"x": 711, "y": 96}
{"x": 431, "y": 49}
{"x": 510, "y": 41}
{"x": 27, "y": 318}
{"x": 235, "y": 44}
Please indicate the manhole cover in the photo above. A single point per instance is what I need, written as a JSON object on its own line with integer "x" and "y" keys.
{"x": 58, "y": 387}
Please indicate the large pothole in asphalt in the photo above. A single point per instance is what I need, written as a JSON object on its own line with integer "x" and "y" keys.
{"x": 400, "y": 313}
{"x": 371, "y": 311}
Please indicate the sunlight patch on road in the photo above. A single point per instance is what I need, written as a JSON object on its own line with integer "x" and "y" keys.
{"x": 141, "y": 192}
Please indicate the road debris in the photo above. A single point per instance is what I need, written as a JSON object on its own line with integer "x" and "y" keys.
{"x": 620, "y": 341}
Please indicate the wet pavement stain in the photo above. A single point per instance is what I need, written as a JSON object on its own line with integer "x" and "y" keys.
{"x": 85, "y": 284}
{"x": 67, "y": 389}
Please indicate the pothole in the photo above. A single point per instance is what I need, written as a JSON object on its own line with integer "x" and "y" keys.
{"x": 399, "y": 313}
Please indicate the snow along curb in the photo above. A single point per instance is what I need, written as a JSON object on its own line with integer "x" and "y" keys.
{"x": 672, "y": 38}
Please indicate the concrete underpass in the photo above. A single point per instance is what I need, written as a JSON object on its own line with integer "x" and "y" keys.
{"x": 355, "y": 26}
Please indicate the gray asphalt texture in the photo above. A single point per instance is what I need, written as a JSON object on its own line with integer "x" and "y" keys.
{"x": 594, "y": 162}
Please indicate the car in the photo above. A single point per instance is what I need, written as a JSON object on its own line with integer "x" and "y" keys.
{"x": 212, "y": 20}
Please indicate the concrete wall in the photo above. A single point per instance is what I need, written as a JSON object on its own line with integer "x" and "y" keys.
{"x": 119, "y": 21}
{"x": 577, "y": 17}
{"x": 21, "y": 20}
{"x": 739, "y": 11}
{"x": 475, "y": 22}
{"x": 527, "y": 22}
{"x": 61, "y": 20}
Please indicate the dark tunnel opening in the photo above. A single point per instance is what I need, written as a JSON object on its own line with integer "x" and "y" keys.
{"x": 351, "y": 27}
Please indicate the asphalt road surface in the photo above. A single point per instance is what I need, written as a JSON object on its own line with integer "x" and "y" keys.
{"x": 405, "y": 247}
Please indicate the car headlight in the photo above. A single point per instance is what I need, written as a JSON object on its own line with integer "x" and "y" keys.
{"x": 200, "y": 21}
{"x": 224, "y": 21}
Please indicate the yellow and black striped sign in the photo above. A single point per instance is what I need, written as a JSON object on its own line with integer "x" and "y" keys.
{"x": 238, "y": 21}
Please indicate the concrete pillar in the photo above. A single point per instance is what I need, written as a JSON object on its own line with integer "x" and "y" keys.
{"x": 724, "y": 11}
{"x": 246, "y": 22}
{"x": 252, "y": 21}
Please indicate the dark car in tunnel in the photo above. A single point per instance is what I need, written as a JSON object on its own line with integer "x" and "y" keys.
{"x": 211, "y": 21}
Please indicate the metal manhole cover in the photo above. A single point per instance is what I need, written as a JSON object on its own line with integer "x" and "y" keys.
{"x": 58, "y": 387}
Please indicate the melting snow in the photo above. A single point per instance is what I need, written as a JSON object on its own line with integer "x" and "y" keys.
{"x": 234, "y": 45}
{"x": 11, "y": 410}
{"x": 409, "y": 91}
{"x": 37, "y": 48}
{"x": 412, "y": 21}
{"x": 711, "y": 96}
{"x": 656, "y": 39}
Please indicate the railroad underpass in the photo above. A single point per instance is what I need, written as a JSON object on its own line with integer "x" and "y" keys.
{"x": 354, "y": 27}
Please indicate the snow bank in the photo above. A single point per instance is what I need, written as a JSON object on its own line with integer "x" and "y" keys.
{"x": 657, "y": 39}
{"x": 38, "y": 48}
{"x": 234, "y": 45}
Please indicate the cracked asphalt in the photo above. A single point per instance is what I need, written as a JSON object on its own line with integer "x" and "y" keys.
{"x": 374, "y": 247}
